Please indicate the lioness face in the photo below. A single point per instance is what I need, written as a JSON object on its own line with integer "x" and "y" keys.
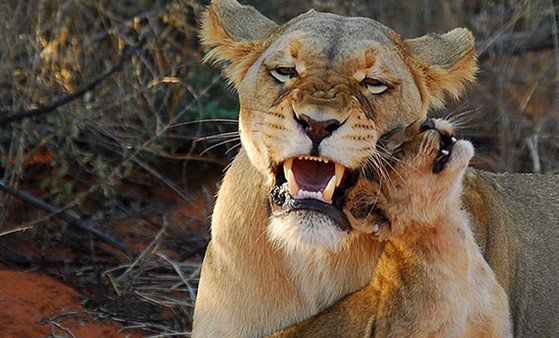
{"x": 315, "y": 96}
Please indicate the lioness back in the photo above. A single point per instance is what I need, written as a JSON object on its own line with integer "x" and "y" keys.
{"x": 516, "y": 222}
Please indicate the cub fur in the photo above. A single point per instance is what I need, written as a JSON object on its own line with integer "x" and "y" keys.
{"x": 431, "y": 279}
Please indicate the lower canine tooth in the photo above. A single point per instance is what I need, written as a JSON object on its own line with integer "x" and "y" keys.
{"x": 328, "y": 192}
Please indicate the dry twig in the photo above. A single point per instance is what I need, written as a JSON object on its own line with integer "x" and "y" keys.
{"x": 37, "y": 203}
{"x": 50, "y": 107}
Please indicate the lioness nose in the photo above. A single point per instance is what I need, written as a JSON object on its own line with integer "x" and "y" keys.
{"x": 317, "y": 130}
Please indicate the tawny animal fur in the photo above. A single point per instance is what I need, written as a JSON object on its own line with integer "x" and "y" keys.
{"x": 249, "y": 285}
{"x": 431, "y": 279}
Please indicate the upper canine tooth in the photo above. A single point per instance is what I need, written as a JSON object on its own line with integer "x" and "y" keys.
{"x": 339, "y": 173}
{"x": 287, "y": 165}
{"x": 328, "y": 192}
{"x": 292, "y": 184}
{"x": 326, "y": 160}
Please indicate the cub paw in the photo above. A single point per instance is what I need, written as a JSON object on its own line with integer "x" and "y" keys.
{"x": 364, "y": 208}
{"x": 462, "y": 153}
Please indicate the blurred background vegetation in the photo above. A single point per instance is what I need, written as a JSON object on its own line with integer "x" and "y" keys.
{"x": 147, "y": 146}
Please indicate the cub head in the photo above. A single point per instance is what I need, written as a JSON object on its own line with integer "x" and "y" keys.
{"x": 317, "y": 93}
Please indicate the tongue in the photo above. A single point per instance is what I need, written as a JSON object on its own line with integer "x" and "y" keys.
{"x": 312, "y": 175}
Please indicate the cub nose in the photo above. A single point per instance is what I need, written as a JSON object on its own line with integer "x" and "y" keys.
{"x": 317, "y": 130}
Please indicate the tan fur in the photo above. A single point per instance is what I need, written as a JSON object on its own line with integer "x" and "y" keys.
{"x": 251, "y": 286}
{"x": 431, "y": 279}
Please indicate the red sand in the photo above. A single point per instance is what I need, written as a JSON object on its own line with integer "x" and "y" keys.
{"x": 26, "y": 298}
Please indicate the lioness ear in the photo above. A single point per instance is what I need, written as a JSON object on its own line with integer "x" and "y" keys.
{"x": 444, "y": 64}
{"x": 234, "y": 33}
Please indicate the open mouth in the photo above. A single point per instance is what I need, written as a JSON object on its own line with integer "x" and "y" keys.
{"x": 314, "y": 184}
{"x": 312, "y": 177}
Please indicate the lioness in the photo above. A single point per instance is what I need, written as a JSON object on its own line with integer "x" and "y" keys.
{"x": 316, "y": 93}
{"x": 431, "y": 279}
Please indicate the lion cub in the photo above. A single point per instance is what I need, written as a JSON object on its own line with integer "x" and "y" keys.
{"x": 431, "y": 279}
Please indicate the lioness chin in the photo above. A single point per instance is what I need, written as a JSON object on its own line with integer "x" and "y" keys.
{"x": 431, "y": 279}
{"x": 316, "y": 94}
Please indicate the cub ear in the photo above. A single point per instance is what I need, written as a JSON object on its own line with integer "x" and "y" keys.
{"x": 236, "y": 34}
{"x": 444, "y": 63}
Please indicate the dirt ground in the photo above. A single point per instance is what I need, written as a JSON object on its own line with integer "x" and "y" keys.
{"x": 55, "y": 281}
{"x": 34, "y": 305}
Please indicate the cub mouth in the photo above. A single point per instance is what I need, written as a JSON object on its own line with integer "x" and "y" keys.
{"x": 312, "y": 184}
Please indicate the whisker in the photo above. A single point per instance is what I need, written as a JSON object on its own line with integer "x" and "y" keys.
{"x": 390, "y": 166}
{"x": 377, "y": 197}
{"x": 389, "y": 157}
{"x": 219, "y": 144}
{"x": 233, "y": 147}
{"x": 231, "y": 121}
{"x": 463, "y": 118}
{"x": 400, "y": 162}
{"x": 221, "y": 135}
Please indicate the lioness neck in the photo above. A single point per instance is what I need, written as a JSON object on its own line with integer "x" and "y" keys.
{"x": 248, "y": 287}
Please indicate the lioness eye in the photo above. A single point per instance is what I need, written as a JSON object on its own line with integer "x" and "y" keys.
{"x": 283, "y": 74}
{"x": 374, "y": 86}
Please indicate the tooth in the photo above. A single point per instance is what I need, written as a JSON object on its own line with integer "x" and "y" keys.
{"x": 287, "y": 164}
{"x": 292, "y": 185}
{"x": 326, "y": 160}
{"x": 302, "y": 194}
{"x": 328, "y": 192}
{"x": 339, "y": 174}
{"x": 445, "y": 152}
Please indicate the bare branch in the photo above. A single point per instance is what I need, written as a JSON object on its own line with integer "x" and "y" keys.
{"x": 37, "y": 203}
{"x": 50, "y": 107}
{"x": 517, "y": 42}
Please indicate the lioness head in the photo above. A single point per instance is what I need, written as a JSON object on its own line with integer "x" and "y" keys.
{"x": 316, "y": 94}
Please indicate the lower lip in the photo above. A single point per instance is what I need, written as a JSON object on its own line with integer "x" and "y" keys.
{"x": 288, "y": 204}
